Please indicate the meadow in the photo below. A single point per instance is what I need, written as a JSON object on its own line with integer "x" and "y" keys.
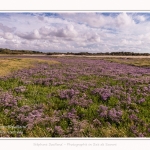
{"x": 74, "y": 97}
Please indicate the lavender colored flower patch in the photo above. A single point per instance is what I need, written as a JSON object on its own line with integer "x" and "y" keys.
{"x": 79, "y": 97}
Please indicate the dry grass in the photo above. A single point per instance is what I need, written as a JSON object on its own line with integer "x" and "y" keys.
{"x": 7, "y": 65}
{"x": 113, "y": 132}
{"x": 143, "y": 62}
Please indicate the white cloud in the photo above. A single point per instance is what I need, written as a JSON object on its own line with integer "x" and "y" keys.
{"x": 5, "y": 28}
{"x": 123, "y": 20}
{"x": 30, "y": 36}
{"x": 93, "y": 32}
{"x": 68, "y": 31}
{"x": 91, "y": 19}
{"x": 94, "y": 38}
{"x": 131, "y": 42}
{"x": 47, "y": 33}
{"x": 8, "y": 36}
{"x": 141, "y": 18}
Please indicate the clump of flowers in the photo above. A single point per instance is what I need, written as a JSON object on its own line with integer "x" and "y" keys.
{"x": 80, "y": 101}
{"x": 72, "y": 114}
{"x": 104, "y": 93}
{"x": 58, "y": 131}
{"x": 8, "y": 100}
{"x": 20, "y": 89}
{"x": 29, "y": 116}
{"x": 110, "y": 114}
{"x": 68, "y": 93}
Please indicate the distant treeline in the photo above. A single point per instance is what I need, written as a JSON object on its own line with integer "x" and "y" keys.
{"x": 107, "y": 53}
{"x": 8, "y": 51}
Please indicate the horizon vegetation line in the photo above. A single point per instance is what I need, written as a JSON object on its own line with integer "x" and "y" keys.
{"x": 9, "y": 51}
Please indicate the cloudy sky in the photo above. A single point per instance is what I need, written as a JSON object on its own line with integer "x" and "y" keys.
{"x": 76, "y": 32}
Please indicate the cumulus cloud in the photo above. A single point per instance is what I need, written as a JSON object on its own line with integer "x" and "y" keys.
{"x": 5, "y": 28}
{"x": 94, "y": 38}
{"x": 129, "y": 42}
{"x": 92, "y": 32}
{"x": 98, "y": 20}
{"x": 8, "y": 36}
{"x": 41, "y": 18}
{"x": 123, "y": 20}
{"x": 47, "y": 33}
{"x": 30, "y": 36}
{"x": 68, "y": 31}
{"x": 90, "y": 19}
{"x": 141, "y": 18}
{"x": 95, "y": 20}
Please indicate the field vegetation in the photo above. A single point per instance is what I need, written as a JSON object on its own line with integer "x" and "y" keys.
{"x": 143, "y": 62}
{"x": 77, "y": 97}
{"x": 8, "y": 65}
{"x": 18, "y": 52}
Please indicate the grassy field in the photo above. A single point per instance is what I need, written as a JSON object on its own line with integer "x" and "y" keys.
{"x": 75, "y": 97}
{"x": 143, "y": 62}
{"x": 8, "y": 65}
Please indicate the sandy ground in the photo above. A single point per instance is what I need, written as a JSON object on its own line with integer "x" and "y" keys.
{"x": 48, "y": 56}
{"x": 102, "y": 56}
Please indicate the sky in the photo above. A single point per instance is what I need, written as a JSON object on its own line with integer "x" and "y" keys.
{"x": 92, "y": 32}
